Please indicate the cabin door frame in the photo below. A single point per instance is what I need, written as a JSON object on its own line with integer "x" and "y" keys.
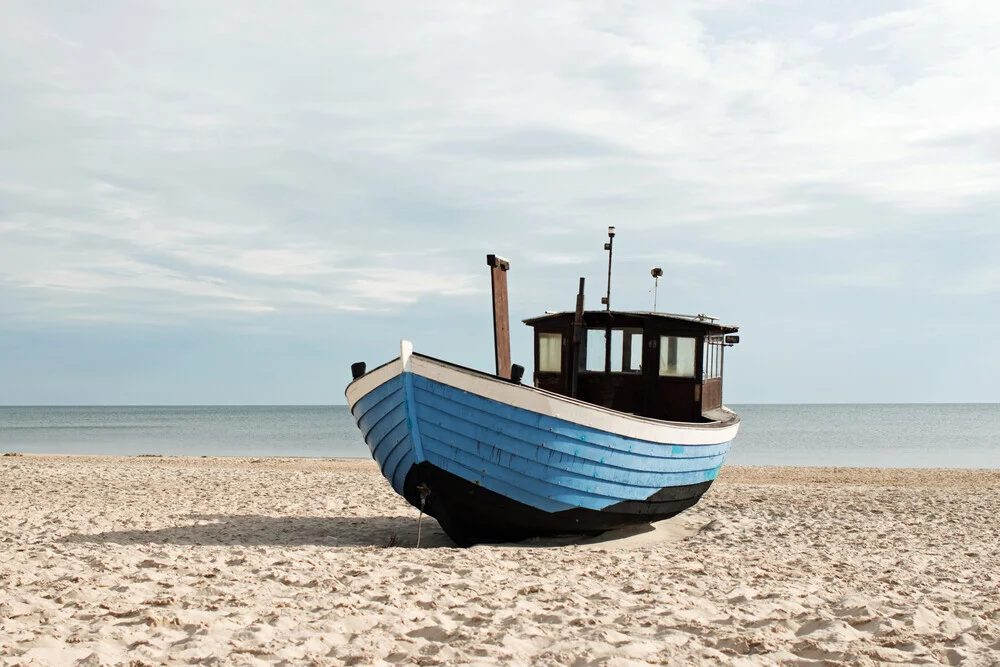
{"x": 650, "y": 366}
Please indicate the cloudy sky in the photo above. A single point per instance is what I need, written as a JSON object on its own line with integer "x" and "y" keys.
{"x": 228, "y": 202}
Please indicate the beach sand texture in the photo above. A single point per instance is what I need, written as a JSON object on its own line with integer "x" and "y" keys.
{"x": 141, "y": 561}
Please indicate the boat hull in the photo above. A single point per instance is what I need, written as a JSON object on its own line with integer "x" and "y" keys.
{"x": 471, "y": 514}
{"x": 504, "y": 462}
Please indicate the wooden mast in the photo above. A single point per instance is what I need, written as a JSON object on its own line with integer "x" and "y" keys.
{"x": 574, "y": 360}
{"x": 501, "y": 315}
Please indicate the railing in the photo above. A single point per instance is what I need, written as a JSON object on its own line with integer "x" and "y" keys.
{"x": 711, "y": 366}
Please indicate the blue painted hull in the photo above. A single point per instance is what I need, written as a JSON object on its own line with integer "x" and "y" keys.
{"x": 497, "y": 471}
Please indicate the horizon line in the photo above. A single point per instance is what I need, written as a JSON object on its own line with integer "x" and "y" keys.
{"x": 344, "y": 405}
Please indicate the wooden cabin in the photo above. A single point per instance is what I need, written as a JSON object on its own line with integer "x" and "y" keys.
{"x": 651, "y": 364}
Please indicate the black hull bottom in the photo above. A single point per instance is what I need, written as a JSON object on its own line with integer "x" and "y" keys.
{"x": 470, "y": 514}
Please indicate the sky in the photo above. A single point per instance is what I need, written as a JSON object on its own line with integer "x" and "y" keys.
{"x": 231, "y": 202}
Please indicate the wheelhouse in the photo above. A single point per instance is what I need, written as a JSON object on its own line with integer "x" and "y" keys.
{"x": 655, "y": 365}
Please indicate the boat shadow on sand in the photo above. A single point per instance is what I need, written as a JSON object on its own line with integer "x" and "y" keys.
{"x": 345, "y": 532}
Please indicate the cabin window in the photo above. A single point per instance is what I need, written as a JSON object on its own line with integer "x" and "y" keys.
{"x": 549, "y": 353}
{"x": 617, "y": 344}
{"x": 632, "y": 359}
{"x": 677, "y": 356}
{"x": 595, "y": 350}
{"x": 626, "y": 350}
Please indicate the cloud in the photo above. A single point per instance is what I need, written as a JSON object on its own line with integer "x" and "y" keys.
{"x": 251, "y": 158}
{"x": 975, "y": 281}
{"x": 879, "y": 276}
{"x": 408, "y": 287}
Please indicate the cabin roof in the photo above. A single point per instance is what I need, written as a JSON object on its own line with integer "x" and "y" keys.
{"x": 708, "y": 322}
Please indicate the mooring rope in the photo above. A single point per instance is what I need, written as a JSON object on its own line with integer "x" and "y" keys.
{"x": 424, "y": 492}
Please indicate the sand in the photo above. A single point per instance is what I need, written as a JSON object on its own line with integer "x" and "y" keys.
{"x": 144, "y": 561}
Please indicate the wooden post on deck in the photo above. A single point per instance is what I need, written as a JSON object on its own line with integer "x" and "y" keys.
{"x": 501, "y": 315}
{"x": 574, "y": 357}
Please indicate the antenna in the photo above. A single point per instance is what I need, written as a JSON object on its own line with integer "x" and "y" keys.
{"x": 607, "y": 303}
{"x": 606, "y": 300}
{"x": 656, "y": 273}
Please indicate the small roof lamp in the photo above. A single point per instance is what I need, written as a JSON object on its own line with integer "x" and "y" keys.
{"x": 657, "y": 273}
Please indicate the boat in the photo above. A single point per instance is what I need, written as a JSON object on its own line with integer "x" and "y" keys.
{"x": 623, "y": 424}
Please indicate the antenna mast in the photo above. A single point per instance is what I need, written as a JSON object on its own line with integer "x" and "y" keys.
{"x": 607, "y": 303}
{"x": 656, "y": 273}
{"x": 607, "y": 246}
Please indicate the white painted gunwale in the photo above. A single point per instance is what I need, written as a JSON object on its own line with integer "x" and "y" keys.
{"x": 362, "y": 386}
{"x": 547, "y": 403}
{"x": 379, "y": 376}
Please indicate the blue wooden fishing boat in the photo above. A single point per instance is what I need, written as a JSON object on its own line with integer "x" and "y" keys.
{"x": 623, "y": 424}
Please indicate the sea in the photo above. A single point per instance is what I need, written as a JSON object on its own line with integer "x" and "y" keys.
{"x": 866, "y": 435}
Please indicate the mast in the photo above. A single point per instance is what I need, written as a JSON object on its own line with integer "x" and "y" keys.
{"x": 501, "y": 314}
{"x": 608, "y": 246}
{"x": 607, "y": 302}
{"x": 574, "y": 370}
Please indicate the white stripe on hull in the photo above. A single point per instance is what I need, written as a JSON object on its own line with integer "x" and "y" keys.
{"x": 548, "y": 403}
{"x": 369, "y": 381}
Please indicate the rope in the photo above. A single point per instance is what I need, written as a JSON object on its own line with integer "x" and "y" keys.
{"x": 424, "y": 492}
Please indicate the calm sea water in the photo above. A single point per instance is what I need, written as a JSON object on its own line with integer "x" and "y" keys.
{"x": 926, "y": 436}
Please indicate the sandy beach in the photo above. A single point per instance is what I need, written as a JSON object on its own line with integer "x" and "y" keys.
{"x": 144, "y": 561}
